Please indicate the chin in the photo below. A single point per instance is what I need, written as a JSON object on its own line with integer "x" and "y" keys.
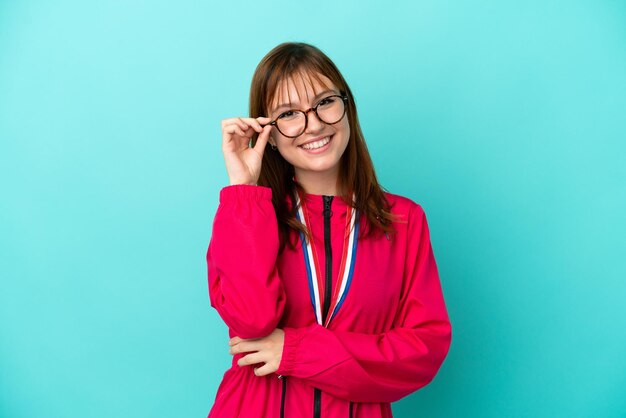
{"x": 322, "y": 166}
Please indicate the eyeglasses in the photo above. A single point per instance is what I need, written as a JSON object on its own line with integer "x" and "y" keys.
{"x": 293, "y": 122}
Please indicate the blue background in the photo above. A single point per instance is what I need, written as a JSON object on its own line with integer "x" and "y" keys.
{"x": 504, "y": 120}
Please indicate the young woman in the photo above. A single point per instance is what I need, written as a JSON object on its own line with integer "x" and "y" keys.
{"x": 327, "y": 283}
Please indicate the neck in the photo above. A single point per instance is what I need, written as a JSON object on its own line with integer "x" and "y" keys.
{"x": 324, "y": 183}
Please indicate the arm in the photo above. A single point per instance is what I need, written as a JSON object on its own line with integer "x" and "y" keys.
{"x": 244, "y": 286}
{"x": 387, "y": 366}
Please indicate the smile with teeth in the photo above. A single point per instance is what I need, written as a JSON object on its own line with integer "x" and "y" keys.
{"x": 316, "y": 144}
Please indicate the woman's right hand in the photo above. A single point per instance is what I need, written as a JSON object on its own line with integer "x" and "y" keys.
{"x": 243, "y": 162}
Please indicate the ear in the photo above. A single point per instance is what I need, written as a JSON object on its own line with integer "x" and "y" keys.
{"x": 272, "y": 141}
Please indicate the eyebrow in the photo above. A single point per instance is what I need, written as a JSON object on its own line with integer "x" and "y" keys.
{"x": 280, "y": 106}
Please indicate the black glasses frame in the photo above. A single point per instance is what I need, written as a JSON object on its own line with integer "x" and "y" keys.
{"x": 343, "y": 97}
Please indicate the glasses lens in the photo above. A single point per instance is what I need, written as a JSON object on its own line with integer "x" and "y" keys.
{"x": 291, "y": 123}
{"x": 330, "y": 109}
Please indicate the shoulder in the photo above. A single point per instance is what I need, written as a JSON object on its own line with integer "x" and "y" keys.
{"x": 412, "y": 217}
{"x": 404, "y": 205}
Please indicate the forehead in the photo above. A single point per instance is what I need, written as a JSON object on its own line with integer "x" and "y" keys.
{"x": 300, "y": 88}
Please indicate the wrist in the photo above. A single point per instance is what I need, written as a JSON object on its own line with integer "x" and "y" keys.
{"x": 249, "y": 183}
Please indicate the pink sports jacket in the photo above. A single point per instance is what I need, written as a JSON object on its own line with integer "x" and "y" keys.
{"x": 387, "y": 339}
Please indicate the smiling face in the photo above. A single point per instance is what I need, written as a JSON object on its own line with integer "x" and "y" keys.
{"x": 301, "y": 95}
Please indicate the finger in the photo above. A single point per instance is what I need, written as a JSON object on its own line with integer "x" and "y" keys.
{"x": 253, "y": 358}
{"x": 242, "y": 125}
{"x": 262, "y": 139}
{"x": 240, "y": 132}
{"x": 246, "y": 347}
{"x": 242, "y": 121}
{"x": 254, "y": 123}
{"x": 232, "y": 129}
{"x": 263, "y": 120}
{"x": 264, "y": 370}
{"x": 230, "y": 121}
{"x": 252, "y": 345}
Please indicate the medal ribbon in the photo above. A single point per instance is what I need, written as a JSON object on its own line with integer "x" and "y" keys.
{"x": 314, "y": 272}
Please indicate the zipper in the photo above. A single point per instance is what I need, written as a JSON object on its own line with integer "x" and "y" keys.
{"x": 317, "y": 393}
{"x": 329, "y": 256}
{"x": 317, "y": 403}
{"x": 282, "y": 398}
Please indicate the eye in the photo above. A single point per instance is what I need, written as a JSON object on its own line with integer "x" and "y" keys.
{"x": 326, "y": 101}
{"x": 286, "y": 114}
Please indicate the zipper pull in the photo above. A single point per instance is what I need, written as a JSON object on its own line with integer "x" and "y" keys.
{"x": 327, "y": 205}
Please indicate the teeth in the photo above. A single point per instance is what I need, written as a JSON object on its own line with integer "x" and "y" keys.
{"x": 317, "y": 144}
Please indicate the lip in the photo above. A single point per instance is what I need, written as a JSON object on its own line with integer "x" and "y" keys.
{"x": 315, "y": 139}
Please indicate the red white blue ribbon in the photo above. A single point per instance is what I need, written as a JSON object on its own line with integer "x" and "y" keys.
{"x": 314, "y": 272}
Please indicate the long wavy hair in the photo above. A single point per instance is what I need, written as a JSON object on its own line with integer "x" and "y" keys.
{"x": 356, "y": 173}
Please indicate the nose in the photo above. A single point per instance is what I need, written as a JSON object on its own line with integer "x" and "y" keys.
{"x": 314, "y": 124}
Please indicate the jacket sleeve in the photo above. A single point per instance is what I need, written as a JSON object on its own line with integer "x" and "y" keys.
{"x": 244, "y": 286}
{"x": 387, "y": 366}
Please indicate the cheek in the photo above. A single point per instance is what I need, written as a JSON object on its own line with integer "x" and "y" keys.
{"x": 345, "y": 126}
{"x": 288, "y": 153}
{"x": 345, "y": 129}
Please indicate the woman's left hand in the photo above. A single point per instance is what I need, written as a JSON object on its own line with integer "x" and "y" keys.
{"x": 268, "y": 350}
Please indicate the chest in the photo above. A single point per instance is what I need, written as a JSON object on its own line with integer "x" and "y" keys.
{"x": 367, "y": 298}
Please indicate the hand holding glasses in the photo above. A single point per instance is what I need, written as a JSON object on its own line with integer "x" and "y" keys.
{"x": 243, "y": 162}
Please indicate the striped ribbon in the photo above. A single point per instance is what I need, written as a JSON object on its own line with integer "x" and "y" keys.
{"x": 314, "y": 272}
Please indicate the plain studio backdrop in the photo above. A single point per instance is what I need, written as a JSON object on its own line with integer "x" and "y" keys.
{"x": 504, "y": 120}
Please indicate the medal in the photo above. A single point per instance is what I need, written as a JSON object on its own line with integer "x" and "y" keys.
{"x": 314, "y": 272}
